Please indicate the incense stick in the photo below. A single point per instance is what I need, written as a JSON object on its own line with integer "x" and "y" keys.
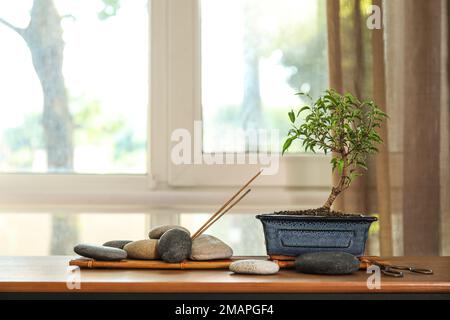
{"x": 227, "y": 203}
{"x": 206, "y": 226}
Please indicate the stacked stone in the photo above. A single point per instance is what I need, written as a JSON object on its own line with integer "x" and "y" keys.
{"x": 169, "y": 243}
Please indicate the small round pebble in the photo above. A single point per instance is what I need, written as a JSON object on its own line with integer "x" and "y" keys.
{"x": 259, "y": 267}
{"x": 119, "y": 244}
{"x": 157, "y": 232}
{"x": 142, "y": 250}
{"x": 100, "y": 253}
{"x": 175, "y": 246}
{"x": 327, "y": 263}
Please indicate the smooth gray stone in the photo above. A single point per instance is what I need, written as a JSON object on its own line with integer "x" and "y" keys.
{"x": 327, "y": 263}
{"x": 175, "y": 246}
{"x": 207, "y": 247}
{"x": 157, "y": 232}
{"x": 258, "y": 267}
{"x": 100, "y": 253}
{"x": 142, "y": 249}
{"x": 119, "y": 244}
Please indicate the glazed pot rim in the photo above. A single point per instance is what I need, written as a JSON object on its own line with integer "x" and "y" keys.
{"x": 306, "y": 217}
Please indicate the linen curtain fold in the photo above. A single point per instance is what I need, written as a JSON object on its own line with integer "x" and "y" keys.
{"x": 404, "y": 67}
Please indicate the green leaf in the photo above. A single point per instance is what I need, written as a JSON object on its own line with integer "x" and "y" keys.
{"x": 340, "y": 166}
{"x": 304, "y": 109}
{"x": 304, "y": 95}
{"x": 331, "y": 99}
{"x": 354, "y": 175}
{"x": 287, "y": 144}
{"x": 292, "y": 116}
{"x": 362, "y": 165}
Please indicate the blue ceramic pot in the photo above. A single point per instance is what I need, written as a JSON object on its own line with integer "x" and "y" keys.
{"x": 288, "y": 235}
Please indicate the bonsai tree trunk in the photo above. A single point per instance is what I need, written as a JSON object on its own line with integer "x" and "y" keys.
{"x": 343, "y": 183}
{"x": 333, "y": 195}
{"x": 335, "y": 192}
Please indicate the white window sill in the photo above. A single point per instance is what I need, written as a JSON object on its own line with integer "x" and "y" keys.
{"x": 130, "y": 193}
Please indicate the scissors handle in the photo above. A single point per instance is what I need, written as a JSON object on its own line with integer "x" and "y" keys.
{"x": 412, "y": 269}
{"x": 388, "y": 271}
{"x": 422, "y": 271}
{"x": 396, "y": 271}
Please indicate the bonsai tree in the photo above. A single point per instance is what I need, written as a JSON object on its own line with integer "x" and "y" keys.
{"x": 343, "y": 126}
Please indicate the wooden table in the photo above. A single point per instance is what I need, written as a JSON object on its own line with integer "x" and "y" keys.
{"x": 50, "y": 275}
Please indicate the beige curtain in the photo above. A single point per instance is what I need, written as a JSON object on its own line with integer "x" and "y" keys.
{"x": 403, "y": 67}
{"x": 445, "y": 226}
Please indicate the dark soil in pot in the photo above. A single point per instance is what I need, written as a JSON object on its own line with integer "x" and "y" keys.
{"x": 319, "y": 212}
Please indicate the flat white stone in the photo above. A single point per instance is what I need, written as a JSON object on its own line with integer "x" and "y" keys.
{"x": 254, "y": 267}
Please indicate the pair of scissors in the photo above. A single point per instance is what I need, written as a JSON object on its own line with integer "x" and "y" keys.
{"x": 395, "y": 270}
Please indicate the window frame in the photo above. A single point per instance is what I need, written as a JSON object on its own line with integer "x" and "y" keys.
{"x": 174, "y": 61}
{"x": 182, "y": 76}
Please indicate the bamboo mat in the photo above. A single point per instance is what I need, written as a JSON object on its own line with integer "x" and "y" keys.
{"x": 185, "y": 265}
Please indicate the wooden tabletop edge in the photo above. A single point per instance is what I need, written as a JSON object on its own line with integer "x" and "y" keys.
{"x": 220, "y": 287}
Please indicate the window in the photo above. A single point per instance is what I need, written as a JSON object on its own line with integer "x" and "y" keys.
{"x": 256, "y": 54}
{"x": 41, "y": 234}
{"x": 56, "y": 233}
{"x": 133, "y": 72}
{"x": 205, "y": 77}
{"x": 74, "y": 86}
{"x": 104, "y": 158}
